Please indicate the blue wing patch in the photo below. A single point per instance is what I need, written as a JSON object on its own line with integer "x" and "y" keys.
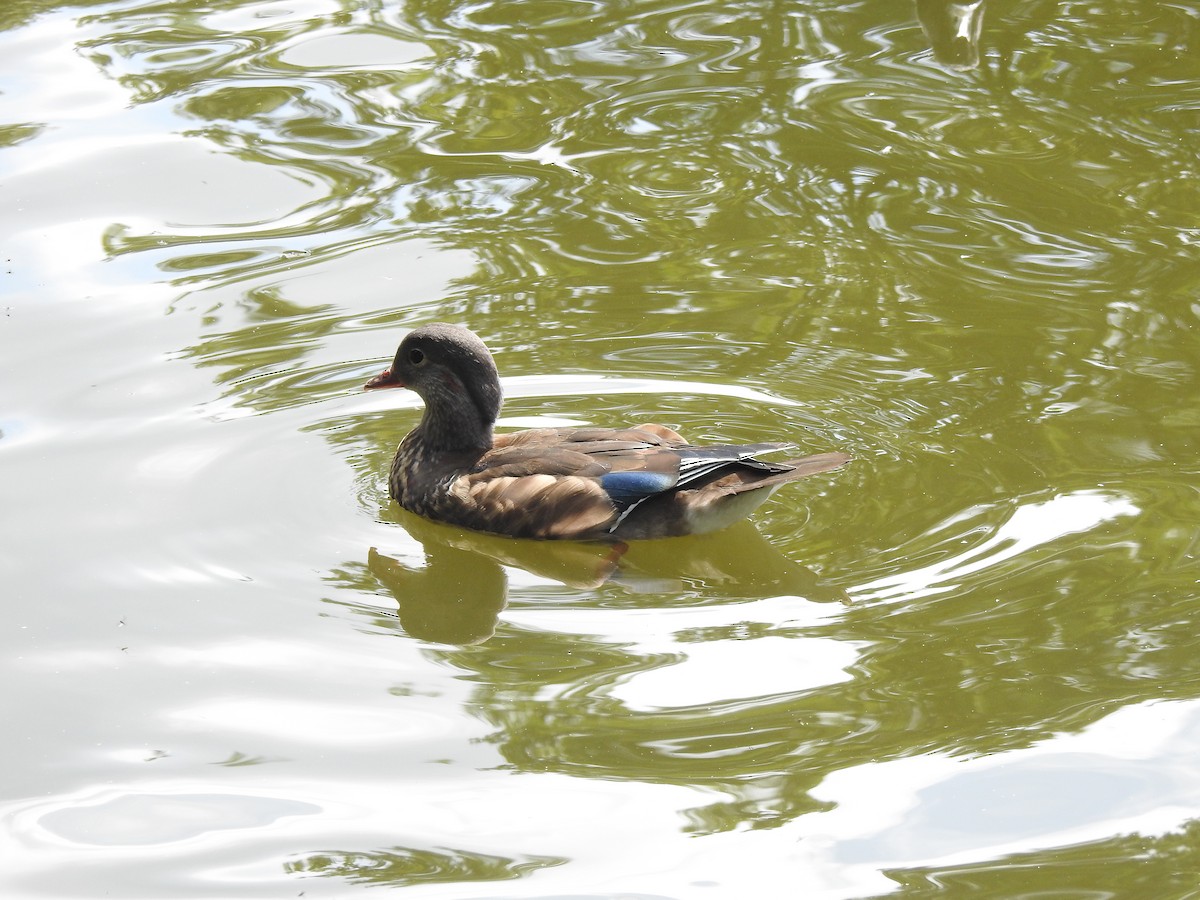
{"x": 628, "y": 488}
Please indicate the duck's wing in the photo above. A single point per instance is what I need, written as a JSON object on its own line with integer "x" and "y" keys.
{"x": 628, "y": 464}
{"x": 564, "y": 483}
{"x": 582, "y": 483}
{"x": 537, "y": 485}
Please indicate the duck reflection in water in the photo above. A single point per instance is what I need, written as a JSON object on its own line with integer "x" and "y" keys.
{"x": 458, "y": 595}
{"x": 953, "y": 28}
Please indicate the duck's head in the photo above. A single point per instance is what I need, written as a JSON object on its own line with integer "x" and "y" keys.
{"x": 451, "y": 369}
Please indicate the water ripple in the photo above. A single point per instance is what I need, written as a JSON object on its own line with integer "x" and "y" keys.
{"x": 1030, "y": 526}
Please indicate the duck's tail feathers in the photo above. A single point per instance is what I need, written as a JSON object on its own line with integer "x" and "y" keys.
{"x": 796, "y": 468}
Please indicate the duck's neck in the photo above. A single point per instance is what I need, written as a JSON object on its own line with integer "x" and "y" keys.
{"x": 453, "y": 425}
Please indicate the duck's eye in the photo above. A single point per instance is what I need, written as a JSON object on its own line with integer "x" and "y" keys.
{"x": 416, "y": 357}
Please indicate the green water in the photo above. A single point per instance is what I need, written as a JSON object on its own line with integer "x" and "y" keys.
{"x": 965, "y": 665}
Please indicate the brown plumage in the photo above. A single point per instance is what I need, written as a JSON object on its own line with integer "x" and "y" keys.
{"x": 560, "y": 483}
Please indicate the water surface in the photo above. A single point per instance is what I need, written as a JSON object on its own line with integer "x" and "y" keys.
{"x": 963, "y": 251}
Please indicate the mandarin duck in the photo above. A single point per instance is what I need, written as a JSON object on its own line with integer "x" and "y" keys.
{"x": 583, "y": 484}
